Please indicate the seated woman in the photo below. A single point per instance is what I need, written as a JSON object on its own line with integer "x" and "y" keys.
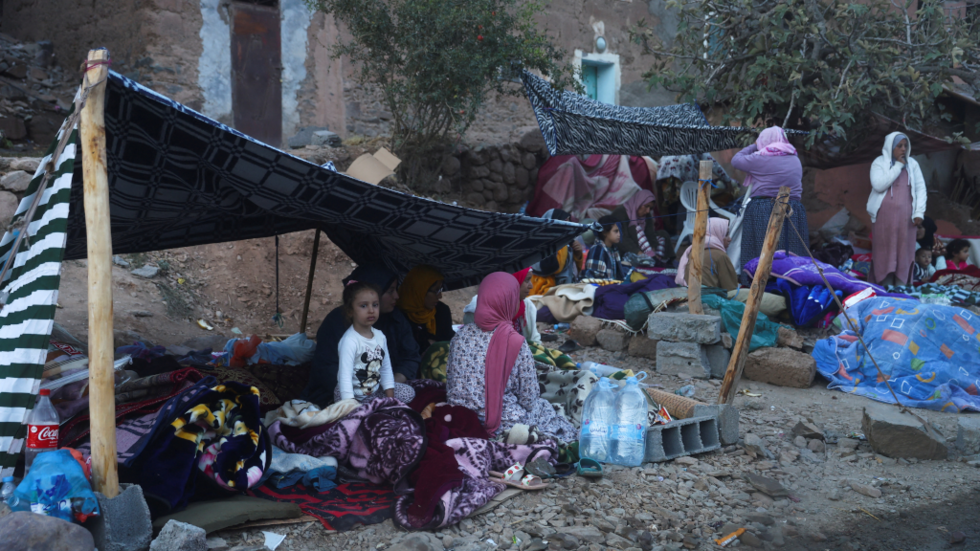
{"x": 716, "y": 267}
{"x": 491, "y": 371}
{"x": 419, "y": 299}
{"x": 640, "y": 235}
{"x": 561, "y": 268}
{"x": 402, "y": 348}
{"x": 603, "y": 261}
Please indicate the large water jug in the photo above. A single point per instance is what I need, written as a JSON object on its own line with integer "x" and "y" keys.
{"x": 628, "y": 435}
{"x": 598, "y": 416}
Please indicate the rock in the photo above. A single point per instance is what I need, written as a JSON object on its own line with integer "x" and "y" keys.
{"x": 718, "y": 358}
{"x": 304, "y": 137}
{"x": 968, "y": 435}
{"x": 691, "y": 328}
{"x": 683, "y": 358}
{"x": 617, "y": 542}
{"x": 613, "y": 340}
{"x": 788, "y": 338}
{"x": 325, "y": 137}
{"x": 418, "y": 541}
{"x": 756, "y": 446}
{"x": 603, "y": 524}
{"x": 16, "y": 181}
{"x": 12, "y": 128}
{"x": 799, "y": 442}
{"x": 125, "y": 338}
{"x": 120, "y": 261}
{"x": 726, "y": 341}
{"x": 642, "y": 347}
{"x": 450, "y": 165}
{"x": 8, "y": 207}
{"x": 4, "y": 510}
{"x": 899, "y": 435}
{"x": 529, "y": 161}
{"x": 760, "y": 518}
{"x": 217, "y": 544}
{"x": 865, "y": 489}
{"x": 957, "y": 538}
{"x": 780, "y": 367}
{"x": 532, "y": 141}
{"x": 687, "y": 460}
{"x": 750, "y": 539}
{"x": 817, "y": 446}
{"x": 180, "y": 536}
{"x": 146, "y": 271}
{"x": 848, "y": 444}
{"x": 564, "y": 541}
{"x": 23, "y": 531}
{"x": 585, "y": 533}
{"x": 807, "y": 430}
{"x": 766, "y": 485}
{"x": 584, "y": 329}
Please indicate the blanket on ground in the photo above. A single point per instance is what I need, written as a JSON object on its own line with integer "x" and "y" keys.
{"x": 302, "y": 415}
{"x": 938, "y": 294}
{"x": 567, "y": 388}
{"x": 341, "y": 508}
{"x": 610, "y": 300}
{"x": 567, "y": 302}
{"x": 801, "y": 271}
{"x": 210, "y": 431}
{"x": 927, "y": 352}
{"x": 382, "y": 441}
{"x": 967, "y": 278}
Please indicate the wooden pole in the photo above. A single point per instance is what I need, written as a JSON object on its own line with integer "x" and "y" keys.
{"x": 102, "y": 397}
{"x": 309, "y": 282}
{"x": 697, "y": 241}
{"x": 780, "y": 208}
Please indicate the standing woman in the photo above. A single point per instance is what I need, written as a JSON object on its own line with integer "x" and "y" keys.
{"x": 897, "y": 204}
{"x": 771, "y": 162}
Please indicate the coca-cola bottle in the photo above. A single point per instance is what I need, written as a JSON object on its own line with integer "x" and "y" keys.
{"x": 42, "y": 429}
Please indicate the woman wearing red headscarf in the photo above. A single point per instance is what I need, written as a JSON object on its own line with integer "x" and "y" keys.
{"x": 490, "y": 368}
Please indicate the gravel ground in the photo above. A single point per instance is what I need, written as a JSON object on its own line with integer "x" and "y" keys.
{"x": 821, "y": 492}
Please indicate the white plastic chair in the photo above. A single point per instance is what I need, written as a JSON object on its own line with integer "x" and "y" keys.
{"x": 689, "y": 199}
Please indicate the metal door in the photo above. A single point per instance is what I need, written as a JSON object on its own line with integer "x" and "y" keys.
{"x": 590, "y": 78}
{"x": 256, "y": 67}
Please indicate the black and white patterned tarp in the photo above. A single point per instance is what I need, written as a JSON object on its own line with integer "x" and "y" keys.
{"x": 178, "y": 178}
{"x": 577, "y": 125}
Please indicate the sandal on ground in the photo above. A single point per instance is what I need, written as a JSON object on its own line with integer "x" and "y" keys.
{"x": 512, "y": 477}
{"x": 589, "y": 468}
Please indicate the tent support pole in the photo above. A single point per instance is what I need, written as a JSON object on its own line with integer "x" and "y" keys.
{"x": 309, "y": 282}
{"x": 780, "y": 209}
{"x": 696, "y": 259}
{"x": 102, "y": 398}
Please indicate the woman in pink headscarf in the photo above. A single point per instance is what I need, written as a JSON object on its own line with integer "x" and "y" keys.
{"x": 490, "y": 368}
{"x": 639, "y": 231}
{"x": 716, "y": 267}
{"x": 771, "y": 162}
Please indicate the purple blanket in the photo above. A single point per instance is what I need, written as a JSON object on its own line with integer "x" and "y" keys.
{"x": 382, "y": 440}
{"x": 610, "y": 299}
{"x": 475, "y": 457}
{"x": 801, "y": 271}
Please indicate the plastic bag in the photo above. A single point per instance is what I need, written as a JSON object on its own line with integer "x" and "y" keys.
{"x": 56, "y": 486}
{"x": 731, "y": 317}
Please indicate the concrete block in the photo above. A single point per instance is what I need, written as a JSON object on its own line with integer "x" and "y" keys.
{"x": 780, "y": 367}
{"x": 683, "y": 358}
{"x": 900, "y": 435}
{"x": 727, "y": 424}
{"x": 667, "y": 326}
{"x": 180, "y": 536}
{"x": 643, "y": 347}
{"x": 968, "y": 434}
{"x": 680, "y": 438}
{"x": 613, "y": 340}
{"x": 584, "y": 329}
{"x": 124, "y": 523}
{"x": 718, "y": 358}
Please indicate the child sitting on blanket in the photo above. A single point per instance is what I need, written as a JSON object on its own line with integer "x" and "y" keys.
{"x": 603, "y": 261}
{"x": 957, "y": 253}
{"x": 365, "y": 370}
{"x": 923, "y": 270}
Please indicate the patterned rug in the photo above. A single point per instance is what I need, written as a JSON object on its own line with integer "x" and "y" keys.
{"x": 340, "y": 509}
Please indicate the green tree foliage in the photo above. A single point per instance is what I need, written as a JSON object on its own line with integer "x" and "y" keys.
{"x": 818, "y": 65}
{"x": 436, "y": 61}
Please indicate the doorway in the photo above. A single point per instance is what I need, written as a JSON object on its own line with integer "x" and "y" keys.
{"x": 256, "y": 70}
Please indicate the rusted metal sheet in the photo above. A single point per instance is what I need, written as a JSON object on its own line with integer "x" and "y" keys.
{"x": 256, "y": 68}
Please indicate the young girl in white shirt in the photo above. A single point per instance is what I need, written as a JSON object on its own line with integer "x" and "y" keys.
{"x": 365, "y": 367}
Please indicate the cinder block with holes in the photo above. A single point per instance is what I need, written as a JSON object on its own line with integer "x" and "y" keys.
{"x": 681, "y": 437}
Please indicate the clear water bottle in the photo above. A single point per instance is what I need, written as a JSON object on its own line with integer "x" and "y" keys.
{"x": 628, "y": 437}
{"x": 600, "y": 370}
{"x": 7, "y": 492}
{"x": 598, "y": 416}
{"x": 42, "y": 429}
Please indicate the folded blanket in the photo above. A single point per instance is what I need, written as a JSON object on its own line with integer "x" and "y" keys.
{"x": 302, "y": 415}
{"x": 567, "y": 302}
{"x": 287, "y": 469}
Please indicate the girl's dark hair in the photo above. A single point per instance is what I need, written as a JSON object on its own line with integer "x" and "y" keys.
{"x": 955, "y": 246}
{"x": 607, "y": 222}
{"x": 351, "y": 290}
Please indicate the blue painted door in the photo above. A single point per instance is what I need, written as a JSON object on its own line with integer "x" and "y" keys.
{"x": 590, "y": 77}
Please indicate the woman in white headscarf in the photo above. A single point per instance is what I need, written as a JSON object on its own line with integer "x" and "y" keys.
{"x": 897, "y": 204}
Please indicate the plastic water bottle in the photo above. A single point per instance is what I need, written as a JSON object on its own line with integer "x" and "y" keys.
{"x": 628, "y": 439}
{"x": 598, "y": 416}
{"x": 7, "y": 492}
{"x": 42, "y": 429}
{"x": 600, "y": 370}
{"x": 562, "y": 326}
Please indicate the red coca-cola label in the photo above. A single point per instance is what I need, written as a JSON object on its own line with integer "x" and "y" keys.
{"x": 42, "y": 436}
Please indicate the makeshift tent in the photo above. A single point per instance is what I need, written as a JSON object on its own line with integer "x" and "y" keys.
{"x": 576, "y": 125}
{"x": 177, "y": 178}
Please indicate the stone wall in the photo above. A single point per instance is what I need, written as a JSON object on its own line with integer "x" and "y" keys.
{"x": 15, "y": 176}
